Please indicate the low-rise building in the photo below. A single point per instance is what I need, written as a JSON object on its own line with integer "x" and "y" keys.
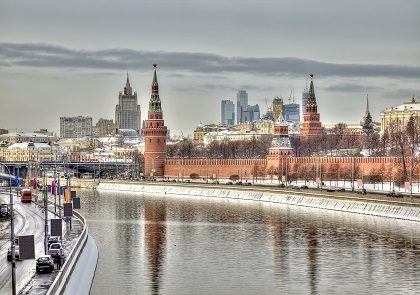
{"x": 233, "y": 136}
{"x": 16, "y": 137}
{"x": 29, "y": 151}
{"x": 397, "y": 117}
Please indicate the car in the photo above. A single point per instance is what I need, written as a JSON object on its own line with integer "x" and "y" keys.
{"x": 395, "y": 194}
{"x": 229, "y": 183}
{"x": 215, "y": 182}
{"x": 331, "y": 189}
{"x": 238, "y": 182}
{"x": 341, "y": 189}
{"x": 44, "y": 263}
{"x": 17, "y": 253}
{"x": 56, "y": 249}
{"x": 304, "y": 186}
{"x": 187, "y": 181}
{"x": 361, "y": 191}
{"x": 53, "y": 239}
{"x": 281, "y": 185}
{"x": 4, "y": 211}
{"x": 247, "y": 183}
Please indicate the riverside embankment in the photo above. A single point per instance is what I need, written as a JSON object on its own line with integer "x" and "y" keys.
{"x": 369, "y": 205}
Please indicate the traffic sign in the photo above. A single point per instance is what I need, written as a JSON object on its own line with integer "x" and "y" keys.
{"x": 68, "y": 209}
{"x": 57, "y": 227}
{"x": 27, "y": 247}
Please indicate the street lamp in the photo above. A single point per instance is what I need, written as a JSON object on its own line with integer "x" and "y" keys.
{"x": 12, "y": 234}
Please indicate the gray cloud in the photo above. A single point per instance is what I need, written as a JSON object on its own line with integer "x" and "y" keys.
{"x": 405, "y": 94}
{"x": 49, "y": 56}
{"x": 347, "y": 87}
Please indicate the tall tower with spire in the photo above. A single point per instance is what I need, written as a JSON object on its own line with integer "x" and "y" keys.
{"x": 155, "y": 133}
{"x": 311, "y": 125}
{"x": 367, "y": 122}
{"x": 127, "y": 111}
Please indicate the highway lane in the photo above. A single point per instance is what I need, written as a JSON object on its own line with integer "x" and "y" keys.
{"x": 29, "y": 220}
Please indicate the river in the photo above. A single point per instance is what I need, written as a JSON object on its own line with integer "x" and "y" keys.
{"x": 152, "y": 244}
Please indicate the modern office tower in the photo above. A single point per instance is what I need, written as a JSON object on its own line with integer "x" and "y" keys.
{"x": 311, "y": 125}
{"x": 75, "y": 127}
{"x": 251, "y": 113}
{"x": 155, "y": 134}
{"x": 104, "y": 127}
{"x": 241, "y": 105}
{"x": 291, "y": 112}
{"x": 305, "y": 96}
{"x": 228, "y": 112}
{"x": 127, "y": 111}
{"x": 277, "y": 108}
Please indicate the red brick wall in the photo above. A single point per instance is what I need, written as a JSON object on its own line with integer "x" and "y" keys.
{"x": 310, "y": 167}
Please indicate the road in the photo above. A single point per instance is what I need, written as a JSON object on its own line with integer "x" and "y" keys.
{"x": 29, "y": 220}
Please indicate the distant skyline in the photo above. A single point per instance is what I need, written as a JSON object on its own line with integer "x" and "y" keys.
{"x": 69, "y": 61}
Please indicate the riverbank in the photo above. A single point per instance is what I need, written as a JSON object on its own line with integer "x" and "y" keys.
{"x": 368, "y": 205}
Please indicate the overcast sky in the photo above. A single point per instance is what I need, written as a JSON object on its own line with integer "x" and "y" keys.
{"x": 70, "y": 58}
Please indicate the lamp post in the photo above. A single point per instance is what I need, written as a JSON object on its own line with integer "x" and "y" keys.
{"x": 12, "y": 233}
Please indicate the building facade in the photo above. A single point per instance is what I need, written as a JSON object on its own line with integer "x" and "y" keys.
{"x": 241, "y": 105}
{"x": 277, "y": 108}
{"x": 104, "y": 127}
{"x": 75, "y": 127}
{"x": 397, "y": 117}
{"x": 127, "y": 111}
{"x": 155, "y": 133}
{"x": 305, "y": 96}
{"x": 227, "y": 112}
{"x": 251, "y": 113}
{"x": 311, "y": 125}
{"x": 291, "y": 112}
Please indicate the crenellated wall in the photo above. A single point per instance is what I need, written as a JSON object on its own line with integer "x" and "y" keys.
{"x": 291, "y": 167}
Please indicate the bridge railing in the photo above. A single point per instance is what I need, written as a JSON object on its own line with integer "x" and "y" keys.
{"x": 61, "y": 280}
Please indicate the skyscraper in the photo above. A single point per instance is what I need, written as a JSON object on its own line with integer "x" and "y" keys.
{"x": 228, "y": 112}
{"x": 251, "y": 113}
{"x": 291, "y": 112}
{"x": 277, "y": 108}
{"x": 127, "y": 111}
{"x": 241, "y": 105}
{"x": 305, "y": 96}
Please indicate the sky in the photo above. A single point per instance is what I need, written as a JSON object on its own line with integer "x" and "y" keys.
{"x": 70, "y": 58}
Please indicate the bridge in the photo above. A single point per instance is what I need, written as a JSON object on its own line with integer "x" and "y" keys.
{"x": 77, "y": 168}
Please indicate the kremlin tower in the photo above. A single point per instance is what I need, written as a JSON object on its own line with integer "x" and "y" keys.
{"x": 280, "y": 146}
{"x": 311, "y": 125}
{"x": 155, "y": 133}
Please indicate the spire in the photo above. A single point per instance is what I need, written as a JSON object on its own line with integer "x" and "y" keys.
{"x": 154, "y": 103}
{"x": 367, "y": 103}
{"x": 127, "y": 88}
{"x": 311, "y": 98}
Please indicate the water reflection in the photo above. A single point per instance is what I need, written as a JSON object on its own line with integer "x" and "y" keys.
{"x": 168, "y": 245}
{"x": 154, "y": 235}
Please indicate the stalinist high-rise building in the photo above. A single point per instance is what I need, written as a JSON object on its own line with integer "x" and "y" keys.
{"x": 154, "y": 133}
{"x": 127, "y": 111}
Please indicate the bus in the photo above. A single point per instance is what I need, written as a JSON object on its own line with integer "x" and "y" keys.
{"x": 25, "y": 195}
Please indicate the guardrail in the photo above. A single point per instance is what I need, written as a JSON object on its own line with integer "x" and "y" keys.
{"x": 61, "y": 280}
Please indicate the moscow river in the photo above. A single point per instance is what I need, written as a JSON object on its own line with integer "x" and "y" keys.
{"x": 151, "y": 244}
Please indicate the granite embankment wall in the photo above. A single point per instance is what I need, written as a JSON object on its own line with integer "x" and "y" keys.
{"x": 359, "y": 205}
